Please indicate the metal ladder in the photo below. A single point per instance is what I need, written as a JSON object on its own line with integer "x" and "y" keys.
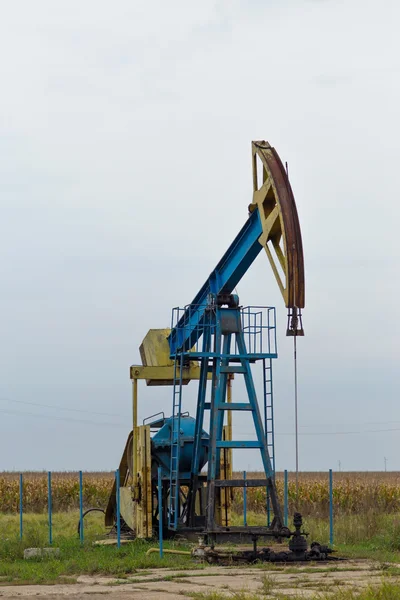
{"x": 173, "y": 514}
{"x": 269, "y": 421}
{"x": 269, "y": 410}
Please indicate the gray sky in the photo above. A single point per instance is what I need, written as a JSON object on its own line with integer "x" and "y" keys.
{"x": 125, "y": 173}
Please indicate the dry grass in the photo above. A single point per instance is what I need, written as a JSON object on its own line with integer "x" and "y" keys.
{"x": 353, "y": 492}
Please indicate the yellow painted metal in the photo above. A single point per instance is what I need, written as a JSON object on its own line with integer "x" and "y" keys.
{"x": 168, "y": 551}
{"x": 164, "y": 375}
{"x": 135, "y": 488}
{"x": 281, "y": 236}
{"x": 112, "y": 542}
{"x": 229, "y": 400}
{"x": 158, "y": 368}
{"x": 136, "y": 504}
{"x": 127, "y": 507}
{"x": 125, "y": 473}
{"x": 154, "y": 349}
{"x": 143, "y": 465}
{"x": 224, "y": 495}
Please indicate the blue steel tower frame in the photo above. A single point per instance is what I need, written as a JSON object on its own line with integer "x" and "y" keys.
{"x": 228, "y": 339}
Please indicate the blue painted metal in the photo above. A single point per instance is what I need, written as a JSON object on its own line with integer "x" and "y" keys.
{"x": 285, "y": 500}
{"x": 269, "y": 421}
{"x": 240, "y": 444}
{"x": 49, "y": 507}
{"x": 160, "y": 513}
{"x": 221, "y": 406}
{"x": 236, "y": 406}
{"x": 223, "y": 280}
{"x": 217, "y": 385}
{"x": 81, "y": 535}
{"x": 161, "y": 446}
{"x": 21, "y": 508}
{"x": 251, "y": 392}
{"x": 197, "y": 355}
{"x": 202, "y": 405}
{"x": 118, "y": 507}
{"x": 258, "y": 326}
{"x": 244, "y": 501}
{"x": 174, "y": 489}
{"x": 225, "y": 332}
{"x": 269, "y": 409}
{"x": 330, "y": 507}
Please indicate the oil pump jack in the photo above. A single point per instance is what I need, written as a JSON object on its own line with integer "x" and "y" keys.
{"x": 212, "y": 340}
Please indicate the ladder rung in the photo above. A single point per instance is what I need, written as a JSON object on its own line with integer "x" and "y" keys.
{"x": 238, "y": 369}
{"x": 234, "y": 406}
{"x": 238, "y": 444}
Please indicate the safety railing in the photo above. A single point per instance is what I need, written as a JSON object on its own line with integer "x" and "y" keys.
{"x": 258, "y": 324}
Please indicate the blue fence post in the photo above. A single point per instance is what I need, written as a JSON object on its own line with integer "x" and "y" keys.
{"x": 21, "y": 494}
{"x": 268, "y": 510}
{"x": 160, "y": 513}
{"x": 285, "y": 500}
{"x": 244, "y": 500}
{"x": 330, "y": 507}
{"x": 49, "y": 507}
{"x": 81, "y": 507}
{"x": 117, "y": 493}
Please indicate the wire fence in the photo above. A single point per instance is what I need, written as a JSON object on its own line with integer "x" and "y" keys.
{"x": 81, "y": 528}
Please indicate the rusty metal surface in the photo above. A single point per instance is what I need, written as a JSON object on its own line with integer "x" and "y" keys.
{"x": 275, "y": 200}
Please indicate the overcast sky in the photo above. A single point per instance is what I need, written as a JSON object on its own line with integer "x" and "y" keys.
{"x": 125, "y": 173}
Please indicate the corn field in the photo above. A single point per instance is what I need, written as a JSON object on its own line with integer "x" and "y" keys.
{"x": 65, "y": 491}
{"x": 353, "y": 492}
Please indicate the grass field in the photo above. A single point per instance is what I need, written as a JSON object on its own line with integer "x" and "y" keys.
{"x": 367, "y": 523}
{"x": 74, "y": 558}
{"x": 374, "y": 537}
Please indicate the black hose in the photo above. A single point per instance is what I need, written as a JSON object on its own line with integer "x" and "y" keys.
{"x": 84, "y": 515}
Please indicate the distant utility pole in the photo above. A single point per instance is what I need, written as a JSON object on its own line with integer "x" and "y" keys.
{"x": 340, "y": 465}
{"x": 385, "y": 459}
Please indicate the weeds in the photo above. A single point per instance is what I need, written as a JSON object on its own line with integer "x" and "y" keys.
{"x": 267, "y": 584}
{"x": 386, "y": 591}
{"x": 74, "y": 558}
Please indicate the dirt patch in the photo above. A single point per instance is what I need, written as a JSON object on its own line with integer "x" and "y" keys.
{"x": 307, "y": 581}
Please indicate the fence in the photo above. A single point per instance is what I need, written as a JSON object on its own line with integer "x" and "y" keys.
{"x": 118, "y": 524}
{"x": 50, "y": 507}
{"x": 286, "y": 502}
